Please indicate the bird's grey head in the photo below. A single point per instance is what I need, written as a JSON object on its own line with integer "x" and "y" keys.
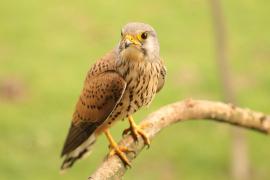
{"x": 138, "y": 42}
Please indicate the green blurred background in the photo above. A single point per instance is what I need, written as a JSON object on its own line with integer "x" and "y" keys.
{"x": 46, "y": 48}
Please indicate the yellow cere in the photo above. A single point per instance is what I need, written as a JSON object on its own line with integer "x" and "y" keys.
{"x": 132, "y": 39}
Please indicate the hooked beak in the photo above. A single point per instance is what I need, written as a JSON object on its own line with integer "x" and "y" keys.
{"x": 129, "y": 40}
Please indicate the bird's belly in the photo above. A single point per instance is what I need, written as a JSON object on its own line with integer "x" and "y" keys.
{"x": 141, "y": 88}
{"x": 138, "y": 93}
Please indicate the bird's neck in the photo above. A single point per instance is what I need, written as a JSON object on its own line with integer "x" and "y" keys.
{"x": 125, "y": 65}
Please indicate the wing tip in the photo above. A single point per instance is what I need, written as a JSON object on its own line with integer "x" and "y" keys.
{"x": 80, "y": 152}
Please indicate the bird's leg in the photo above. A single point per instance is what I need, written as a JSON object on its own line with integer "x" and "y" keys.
{"x": 135, "y": 131}
{"x": 115, "y": 149}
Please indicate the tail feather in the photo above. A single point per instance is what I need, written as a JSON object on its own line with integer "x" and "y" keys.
{"x": 80, "y": 152}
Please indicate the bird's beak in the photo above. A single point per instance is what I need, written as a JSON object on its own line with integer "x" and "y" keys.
{"x": 129, "y": 40}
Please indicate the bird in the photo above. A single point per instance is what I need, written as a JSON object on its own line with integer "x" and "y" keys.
{"x": 124, "y": 80}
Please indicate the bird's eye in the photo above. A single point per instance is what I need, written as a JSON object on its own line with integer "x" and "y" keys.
{"x": 121, "y": 33}
{"x": 144, "y": 35}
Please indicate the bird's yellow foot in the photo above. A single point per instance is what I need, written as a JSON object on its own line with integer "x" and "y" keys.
{"x": 136, "y": 131}
{"x": 115, "y": 149}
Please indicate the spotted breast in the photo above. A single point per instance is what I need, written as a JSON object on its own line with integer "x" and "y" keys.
{"x": 144, "y": 80}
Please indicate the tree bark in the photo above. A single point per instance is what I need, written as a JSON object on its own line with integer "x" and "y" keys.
{"x": 113, "y": 168}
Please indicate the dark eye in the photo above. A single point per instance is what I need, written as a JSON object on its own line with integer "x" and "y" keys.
{"x": 144, "y": 35}
{"x": 121, "y": 33}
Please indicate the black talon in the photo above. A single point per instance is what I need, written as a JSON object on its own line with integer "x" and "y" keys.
{"x": 125, "y": 132}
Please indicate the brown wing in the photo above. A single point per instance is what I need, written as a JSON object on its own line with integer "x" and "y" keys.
{"x": 99, "y": 97}
{"x": 162, "y": 76}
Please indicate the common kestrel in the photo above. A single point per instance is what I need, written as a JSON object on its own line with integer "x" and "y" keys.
{"x": 124, "y": 80}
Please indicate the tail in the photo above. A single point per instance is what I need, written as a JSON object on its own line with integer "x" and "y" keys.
{"x": 80, "y": 152}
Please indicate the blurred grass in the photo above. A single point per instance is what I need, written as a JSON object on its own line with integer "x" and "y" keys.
{"x": 50, "y": 45}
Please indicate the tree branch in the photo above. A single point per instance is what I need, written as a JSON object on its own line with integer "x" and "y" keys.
{"x": 113, "y": 168}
